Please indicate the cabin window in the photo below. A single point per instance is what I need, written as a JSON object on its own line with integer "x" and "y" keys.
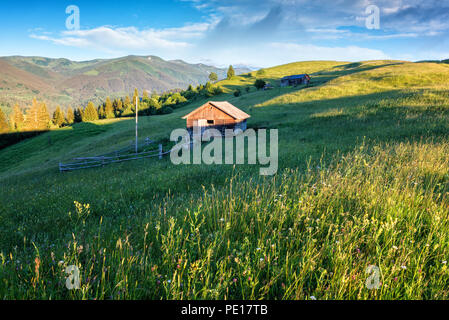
{"x": 210, "y": 121}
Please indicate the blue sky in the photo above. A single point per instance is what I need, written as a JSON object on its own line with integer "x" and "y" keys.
{"x": 222, "y": 32}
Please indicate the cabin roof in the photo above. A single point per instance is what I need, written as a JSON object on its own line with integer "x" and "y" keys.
{"x": 226, "y": 107}
{"x": 296, "y": 76}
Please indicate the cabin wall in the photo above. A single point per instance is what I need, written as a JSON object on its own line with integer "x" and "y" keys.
{"x": 209, "y": 112}
{"x": 221, "y": 120}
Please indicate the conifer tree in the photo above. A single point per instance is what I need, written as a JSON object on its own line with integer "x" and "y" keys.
{"x": 90, "y": 113}
{"x": 43, "y": 117}
{"x": 78, "y": 115}
{"x": 4, "y": 126}
{"x": 58, "y": 117}
{"x": 127, "y": 102}
{"x": 118, "y": 107}
{"x": 101, "y": 113}
{"x": 108, "y": 109}
{"x": 18, "y": 118}
{"x": 70, "y": 118}
{"x": 135, "y": 96}
{"x": 31, "y": 119}
{"x": 231, "y": 72}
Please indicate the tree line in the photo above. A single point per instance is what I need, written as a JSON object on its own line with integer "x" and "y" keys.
{"x": 37, "y": 118}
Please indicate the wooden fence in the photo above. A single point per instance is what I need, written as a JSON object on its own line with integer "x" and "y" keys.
{"x": 117, "y": 156}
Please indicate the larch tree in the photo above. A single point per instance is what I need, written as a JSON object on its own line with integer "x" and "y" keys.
{"x": 4, "y": 125}
{"x": 43, "y": 117}
{"x": 58, "y": 117}
{"x": 70, "y": 118}
{"x": 31, "y": 119}
{"x": 127, "y": 103}
{"x": 145, "y": 95}
{"x": 108, "y": 109}
{"x": 18, "y": 118}
{"x": 231, "y": 72}
{"x": 135, "y": 97}
{"x": 90, "y": 113}
{"x": 101, "y": 113}
{"x": 118, "y": 107}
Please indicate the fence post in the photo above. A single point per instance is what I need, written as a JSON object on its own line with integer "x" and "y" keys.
{"x": 160, "y": 151}
{"x": 60, "y": 170}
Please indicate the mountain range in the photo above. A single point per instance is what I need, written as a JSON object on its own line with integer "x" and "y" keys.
{"x": 65, "y": 82}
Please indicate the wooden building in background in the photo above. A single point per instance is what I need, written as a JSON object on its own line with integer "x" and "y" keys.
{"x": 295, "y": 80}
{"x": 219, "y": 115}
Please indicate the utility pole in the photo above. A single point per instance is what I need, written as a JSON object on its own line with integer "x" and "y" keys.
{"x": 137, "y": 121}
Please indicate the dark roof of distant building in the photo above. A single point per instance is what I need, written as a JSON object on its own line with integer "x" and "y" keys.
{"x": 297, "y": 76}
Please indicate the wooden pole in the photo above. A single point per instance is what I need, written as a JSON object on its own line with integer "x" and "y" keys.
{"x": 160, "y": 151}
{"x": 137, "y": 121}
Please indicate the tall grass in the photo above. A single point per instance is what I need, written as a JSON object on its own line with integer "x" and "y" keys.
{"x": 290, "y": 237}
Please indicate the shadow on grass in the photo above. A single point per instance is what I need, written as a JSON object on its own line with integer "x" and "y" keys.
{"x": 339, "y": 125}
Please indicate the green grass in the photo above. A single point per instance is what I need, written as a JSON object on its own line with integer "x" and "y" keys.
{"x": 363, "y": 180}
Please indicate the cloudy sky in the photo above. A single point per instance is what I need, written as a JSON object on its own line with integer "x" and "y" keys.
{"x": 256, "y": 33}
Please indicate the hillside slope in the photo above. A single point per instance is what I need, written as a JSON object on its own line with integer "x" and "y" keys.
{"x": 65, "y": 82}
{"x": 363, "y": 180}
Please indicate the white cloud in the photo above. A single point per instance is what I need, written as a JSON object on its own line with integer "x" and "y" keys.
{"x": 112, "y": 39}
{"x": 275, "y": 53}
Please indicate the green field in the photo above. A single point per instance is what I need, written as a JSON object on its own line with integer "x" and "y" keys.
{"x": 363, "y": 180}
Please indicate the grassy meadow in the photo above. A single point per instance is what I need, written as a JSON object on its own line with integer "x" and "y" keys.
{"x": 363, "y": 180}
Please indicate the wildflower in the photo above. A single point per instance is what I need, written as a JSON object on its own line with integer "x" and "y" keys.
{"x": 222, "y": 219}
{"x": 257, "y": 249}
{"x": 169, "y": 281}
{"x": 312, "y": 298}
{"x": 234, "y": 280}
{"x": 404, "y": 267}
{"x": 178, "y": 266}
{"x": 395, "y": 279}
{"x": 444, "y": 262}
{"x": 395, "y": 248}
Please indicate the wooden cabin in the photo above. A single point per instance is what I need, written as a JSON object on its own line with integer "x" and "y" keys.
{"x": 219, "y": 115}
{"x": 295, "y": 80}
